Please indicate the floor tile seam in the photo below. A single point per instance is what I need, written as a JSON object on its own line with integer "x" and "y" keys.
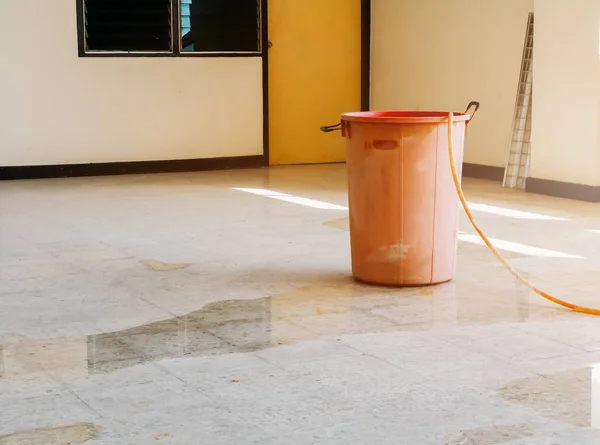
{"x": 502, "y": 360}
{"x": 395, "y": 366}
{"x": 317, "y": 335}
{"x": 290, "y": 365}
{"x": 211, "y": 397}
{"x": 63, "y": 262}
{"x": 25, "y": 340}
{"x": 369, "y": 313}
{"x": 519, "y": 365}
{"x": 156, "y": 306}
{"x": 65, "y": 389}
{"x": 511, "y": 363}
{"x": 562, "y": 343}
{"x": 521, "y": 331}
{"x": 50, "y": 379}
{"x": 74, "y": 393}
{"x": 460, "y": 341}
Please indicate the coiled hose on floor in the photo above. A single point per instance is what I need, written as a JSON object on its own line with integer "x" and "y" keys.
{"x": 517, "y": 275}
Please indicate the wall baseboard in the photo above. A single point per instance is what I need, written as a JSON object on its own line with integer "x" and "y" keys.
{"x": 129, "y": 168}
{"x": 538, "y": 186}
{"x": 479, "y": 171}
{"x": 561, "y": 189}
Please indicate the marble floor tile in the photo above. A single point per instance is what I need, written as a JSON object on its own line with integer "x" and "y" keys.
{"x": 181, "y": 309}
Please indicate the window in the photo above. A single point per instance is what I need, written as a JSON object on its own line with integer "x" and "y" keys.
{"x": 128, "y": 25}
{"x": 170, "y": 27}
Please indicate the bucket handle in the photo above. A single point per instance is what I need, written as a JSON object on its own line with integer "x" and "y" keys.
{"x": 330, "y": 128}
{"x": 471, "y": 105}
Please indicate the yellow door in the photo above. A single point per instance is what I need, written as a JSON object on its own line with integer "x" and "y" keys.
{"x": 314, "y": 75}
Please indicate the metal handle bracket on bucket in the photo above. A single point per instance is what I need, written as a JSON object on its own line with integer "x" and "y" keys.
{"x": 344, "y": 126}
{"x": 330, "y": 128}
{"x": 471, "y": 105}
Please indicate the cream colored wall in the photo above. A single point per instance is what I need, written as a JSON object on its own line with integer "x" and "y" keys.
{"x": 440, "y": 54}
{"x": 57, "y": 108}
{"x": 566, "y": 95}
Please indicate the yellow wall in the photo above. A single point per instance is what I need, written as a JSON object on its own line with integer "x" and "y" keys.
{"x": 59, "y": 109}
{"x": 438, "y": 54}
{"x": 314, "y": 76}
{"x": 566, "y": 92}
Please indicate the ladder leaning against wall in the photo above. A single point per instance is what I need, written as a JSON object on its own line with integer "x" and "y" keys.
{"x": 519, "y": 156}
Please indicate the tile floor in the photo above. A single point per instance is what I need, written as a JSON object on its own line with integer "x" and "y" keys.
{"x": 218, "y": 308}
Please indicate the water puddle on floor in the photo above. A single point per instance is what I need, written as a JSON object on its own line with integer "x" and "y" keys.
{"x": 159, "y": 266}
{"x": 564, "y": 397}
{"x": 237, "y": 326}
{"x": 496, "y": 435}
{"x": 73, "y": 434}
{"x": 340, "y": 223}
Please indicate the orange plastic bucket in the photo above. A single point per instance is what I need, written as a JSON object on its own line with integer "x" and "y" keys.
{"x": 403, "y": 206}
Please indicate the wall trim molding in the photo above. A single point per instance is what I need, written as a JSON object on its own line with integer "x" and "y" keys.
{"x": 480, "y": 171}
{"x": 560, "y": 189}
{"x": 128, "y": 168}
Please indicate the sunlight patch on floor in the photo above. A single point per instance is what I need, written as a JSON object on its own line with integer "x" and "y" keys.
{"x": 510, "y": 246}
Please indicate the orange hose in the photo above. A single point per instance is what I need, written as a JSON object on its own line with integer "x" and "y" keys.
{"x": 517, "y": 275}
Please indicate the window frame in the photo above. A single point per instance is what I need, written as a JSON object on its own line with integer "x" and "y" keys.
{"x": 176, "y": 38}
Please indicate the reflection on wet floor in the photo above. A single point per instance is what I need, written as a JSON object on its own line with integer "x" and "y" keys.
{"x": 60, "y": 435}
{"x": 306, "y": 313}
{"x": 219, "y": 328}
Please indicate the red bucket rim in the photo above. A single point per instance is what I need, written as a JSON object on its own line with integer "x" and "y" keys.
{"x": 412, "y": 117}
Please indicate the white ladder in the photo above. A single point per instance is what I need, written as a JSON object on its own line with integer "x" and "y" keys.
{"x": 519, "y": 156}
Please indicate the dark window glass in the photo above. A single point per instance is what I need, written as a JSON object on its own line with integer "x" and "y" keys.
{"x": 128, "y": 25}
{"x": 220, "y": 25}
